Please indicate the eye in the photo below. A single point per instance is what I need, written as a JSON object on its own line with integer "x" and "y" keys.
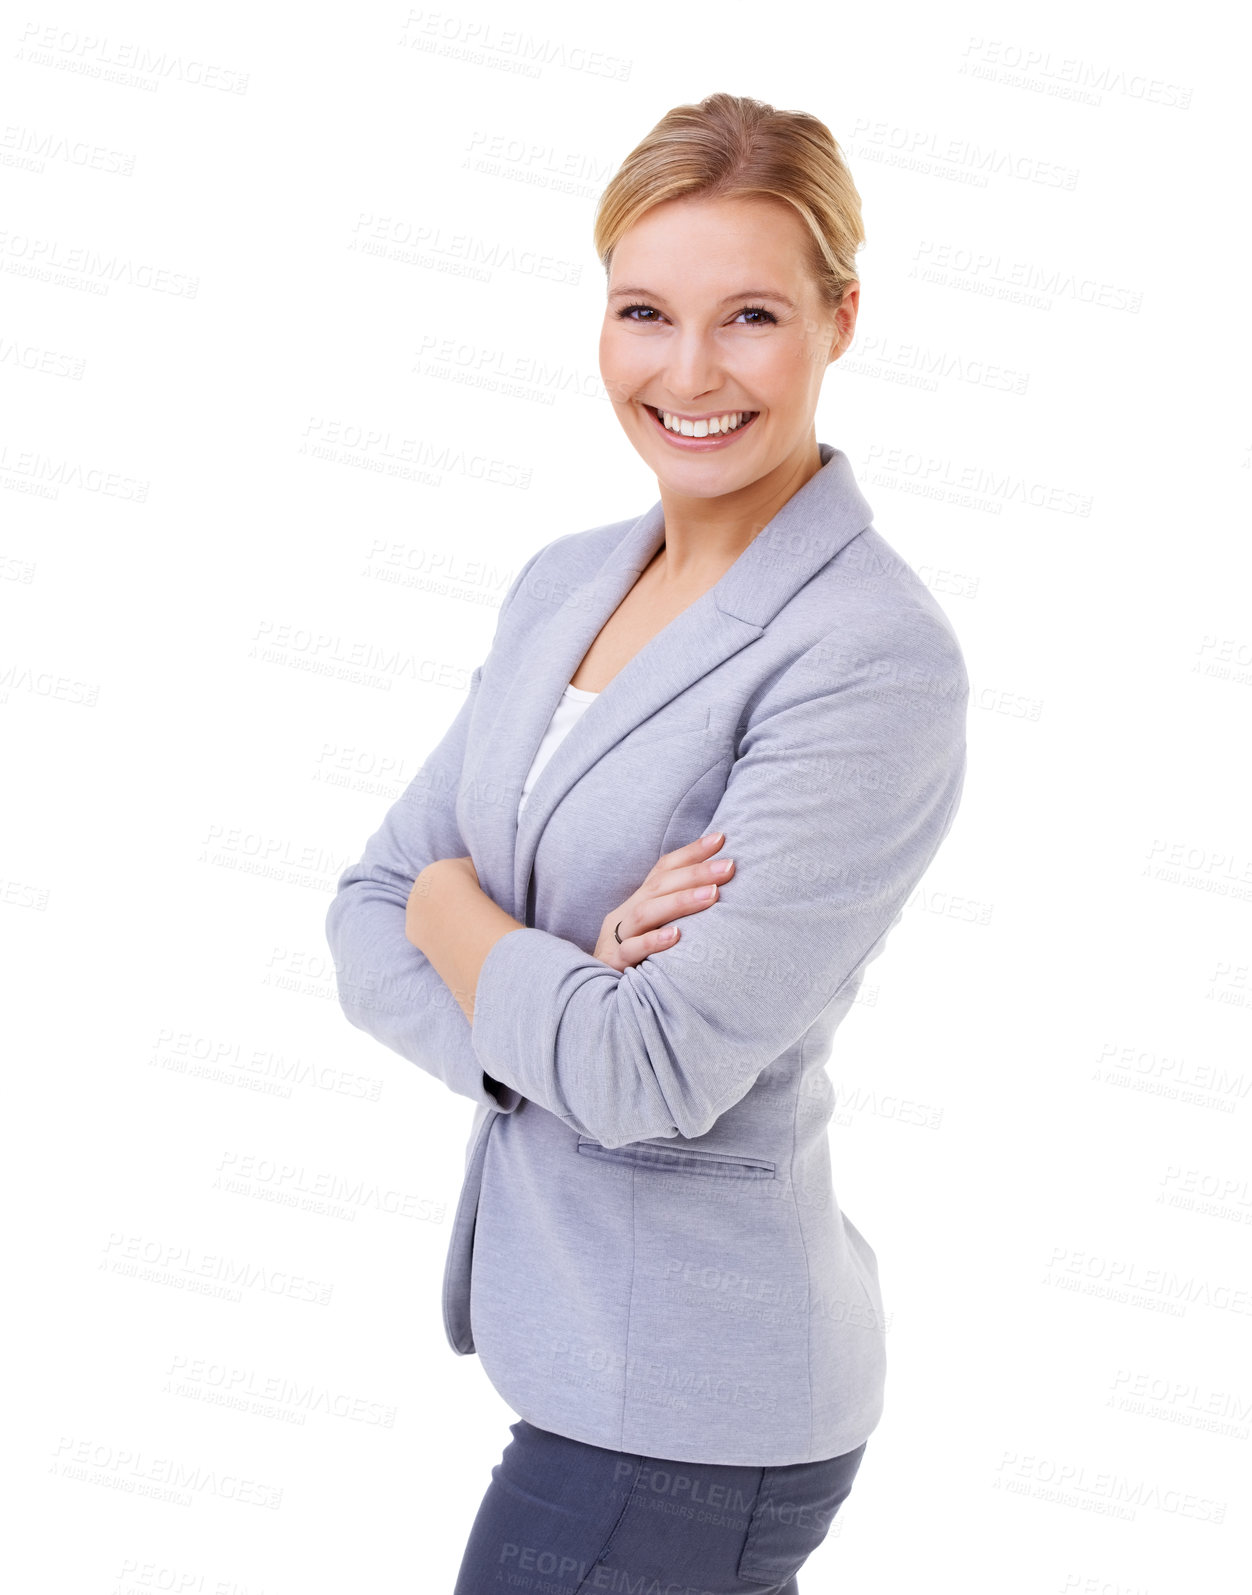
{"x": 759, "y": 310}
{"x": 627, "y": 313}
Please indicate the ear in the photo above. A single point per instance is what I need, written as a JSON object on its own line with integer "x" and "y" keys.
{"x": 845, "y": 321}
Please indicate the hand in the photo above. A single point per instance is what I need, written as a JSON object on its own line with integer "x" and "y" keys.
{"x": 667, "y": 892}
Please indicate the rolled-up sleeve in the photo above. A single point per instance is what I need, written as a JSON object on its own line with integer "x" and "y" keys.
{"x": 833, "y": 809}
{"x": 386, "y": 986}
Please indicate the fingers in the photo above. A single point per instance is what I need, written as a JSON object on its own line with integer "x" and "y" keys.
{"x": 673, "y": 891}
{"x": 692, "y": 852}
{"x": 668, "y": 906}
{"x": 684, "y": 874}
{"x": 668, "y": 894}
{"x": 635, "y": 949}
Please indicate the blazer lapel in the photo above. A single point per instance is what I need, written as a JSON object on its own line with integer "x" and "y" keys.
{"x": 810, "y": 528}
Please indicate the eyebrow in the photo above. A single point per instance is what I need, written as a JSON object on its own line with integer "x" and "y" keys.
{"x": 744, "y": 293}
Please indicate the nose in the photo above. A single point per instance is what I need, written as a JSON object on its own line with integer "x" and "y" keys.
{"x": 693, "y": 368}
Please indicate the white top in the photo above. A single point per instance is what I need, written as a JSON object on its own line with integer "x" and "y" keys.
{"x": 573, "y": 701}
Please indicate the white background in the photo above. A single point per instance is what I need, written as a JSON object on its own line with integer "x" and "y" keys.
{"x": 298, "y": 365}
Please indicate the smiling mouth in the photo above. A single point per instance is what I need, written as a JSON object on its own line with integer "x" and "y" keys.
{"x": 711, "y": 428}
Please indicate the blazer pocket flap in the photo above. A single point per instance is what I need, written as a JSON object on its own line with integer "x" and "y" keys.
{"x": 679, "y": 1159}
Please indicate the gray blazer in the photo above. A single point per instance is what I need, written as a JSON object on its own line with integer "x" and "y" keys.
{"x": 647, "y": 1253}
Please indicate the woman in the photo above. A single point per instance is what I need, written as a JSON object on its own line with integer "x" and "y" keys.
{"x": 664, "y": 1287}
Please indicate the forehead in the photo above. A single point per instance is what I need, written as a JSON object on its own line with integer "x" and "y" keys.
{"x": 707, "y": 242}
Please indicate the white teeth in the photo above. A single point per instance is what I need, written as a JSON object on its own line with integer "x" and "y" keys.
{"x": 700, "y": 429}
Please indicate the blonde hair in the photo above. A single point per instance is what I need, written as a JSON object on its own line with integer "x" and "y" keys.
{"x": 729, "y": 145}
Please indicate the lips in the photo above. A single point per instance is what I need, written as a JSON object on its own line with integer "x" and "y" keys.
{"x": 712, "y": 440}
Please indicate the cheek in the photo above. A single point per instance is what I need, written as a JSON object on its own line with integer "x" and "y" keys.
{"x": 779, "y": 374}
{"x": 800, "y": 358}
{"x": 621, "y": 368}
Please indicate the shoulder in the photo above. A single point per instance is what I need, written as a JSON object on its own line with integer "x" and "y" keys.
{"x": 872, "y": 630}
{"x": 880, "y": 602}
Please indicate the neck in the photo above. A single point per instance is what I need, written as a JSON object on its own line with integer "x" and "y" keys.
{"x": 705, "y": 536}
